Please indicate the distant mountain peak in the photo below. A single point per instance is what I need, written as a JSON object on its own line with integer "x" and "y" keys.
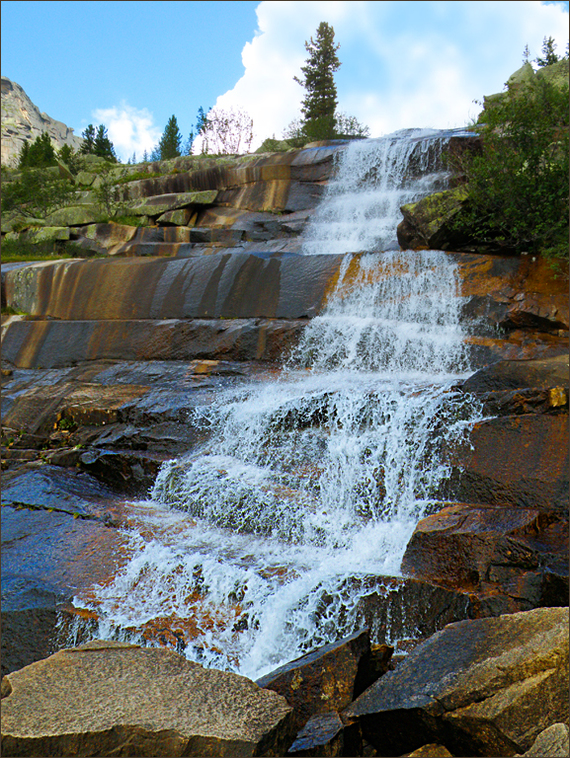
{"x": 22, "y": 121}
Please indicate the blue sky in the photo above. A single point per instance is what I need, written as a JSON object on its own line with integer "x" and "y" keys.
{"x": 131, "y": 65}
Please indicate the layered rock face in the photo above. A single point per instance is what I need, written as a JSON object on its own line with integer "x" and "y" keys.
{"x": 23, "y": 122}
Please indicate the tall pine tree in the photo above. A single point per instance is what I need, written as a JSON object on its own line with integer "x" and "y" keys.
{"x": 98, "y": 143}
{"x": 320, "y": 101}
{"x": 103, "y": 147}
{"x": 171, "y": 141}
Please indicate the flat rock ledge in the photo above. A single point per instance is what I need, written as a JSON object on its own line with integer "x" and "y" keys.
{"x": 112, "y": 698}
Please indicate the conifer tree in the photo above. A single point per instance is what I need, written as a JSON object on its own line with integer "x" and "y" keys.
{"x": 103, "y": 147}
{"x": 39, "y": 154}
{"x": 549, "y": 55}
{"x": 171, "y": 141}
{"x": 320, "y": 101}
{"x": 98, "y": 143}
{"x": 88, "y": 135}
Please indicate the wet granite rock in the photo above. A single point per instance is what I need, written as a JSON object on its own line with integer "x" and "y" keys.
{"x": 109, "y": 698}
{"x": 229, "y": 286}
{"x": 479, "y": 687}
{"x": 519, "y": 553}
{"x": 322, "y": 680}
{"x": 534, "y": 474}
{"x": 520, "y": 402}
{"x": 58, "y": 542}
{"x": 56, "y": 344}
{"x": 512, "y": 294}
{"x": 322, "y": 735}
{"x": 513, "y": 375}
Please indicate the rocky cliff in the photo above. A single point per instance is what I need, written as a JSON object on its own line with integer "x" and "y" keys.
{"x": 22, "y": 121}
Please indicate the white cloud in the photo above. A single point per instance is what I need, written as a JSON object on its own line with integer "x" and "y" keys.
{"x": 404, "y": 64}
{"x": 131, "y": 130}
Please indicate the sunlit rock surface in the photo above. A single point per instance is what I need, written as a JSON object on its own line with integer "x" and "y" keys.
{"x": 108, "y": 698}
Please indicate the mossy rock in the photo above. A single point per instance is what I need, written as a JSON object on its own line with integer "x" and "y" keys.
{"x": 156, "y": 206}
{"x": 85, "y": 178}
{"x": 16, "y": 223}
{"x": 426, "y": 223}
{"x": 47, "y": 234}
{"x": 76, "y": 215}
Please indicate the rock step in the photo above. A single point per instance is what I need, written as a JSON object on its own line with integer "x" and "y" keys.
{"x": 222, "y": 285}
{"x": 54, "y": 344}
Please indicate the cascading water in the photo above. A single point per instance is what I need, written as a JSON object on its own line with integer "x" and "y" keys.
{"x": 316, "y": 478}
{"x": 374, "y": 179}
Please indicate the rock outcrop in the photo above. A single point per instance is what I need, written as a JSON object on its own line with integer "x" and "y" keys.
{"x": 322, "y": 681}
{"x": 485, "y": 687}
{"x": 23, "y": 122}
{"x": 107, "y": 698}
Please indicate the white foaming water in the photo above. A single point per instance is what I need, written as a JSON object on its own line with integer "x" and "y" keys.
{"x": 374, "y": 179}
{"x": 309, "y": 483}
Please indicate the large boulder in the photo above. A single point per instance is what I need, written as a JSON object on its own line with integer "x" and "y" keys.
{"x": 551, "y": 743}
{"x": 521, "y": 554}
{"x": 482, "y": 687}
{"x": 110, "y": 698}
{"x": 512, "y": 375}
{"x": 428, "y": 223}
{"x": 533, "y": 475}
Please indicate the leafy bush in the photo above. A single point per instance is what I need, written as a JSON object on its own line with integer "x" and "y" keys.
{"x": 37, "y": 193}
{"x": 518, "y": 184}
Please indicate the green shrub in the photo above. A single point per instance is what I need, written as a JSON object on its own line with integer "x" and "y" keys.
{"x": 37, "y": 193}
{"x": 518, "y": 184}
{"x": 19, "y": 250}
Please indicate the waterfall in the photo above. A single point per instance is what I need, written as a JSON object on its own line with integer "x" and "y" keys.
{"x": 312, "y": 481}
{"x": 374, "y": 178}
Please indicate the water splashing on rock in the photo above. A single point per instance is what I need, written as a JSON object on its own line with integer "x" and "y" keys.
{"x": 259, "y": 544}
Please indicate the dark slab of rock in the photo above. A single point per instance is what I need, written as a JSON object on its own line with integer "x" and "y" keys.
{"x": 519, "y": 553}
{"x": 512, "y": 375}
{"x": 48, "y": 555}
{"x": 48, "y": 487}
{"x": 108, "y": 698}
{"x": 533, "y": 475}
{"x": 520, "y": 402}
{"x": 322, "y": 680}
{"x": 54, "y": 344}
{"x": 399, "y": 611}
{"x": 322, "y": 735}
{"x": 482, "y": 687}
